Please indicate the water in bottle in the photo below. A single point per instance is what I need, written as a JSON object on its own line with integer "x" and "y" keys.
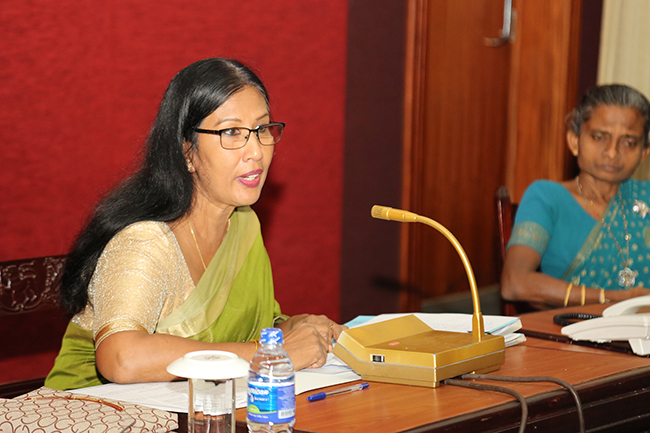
{"x": 271, "y": 389}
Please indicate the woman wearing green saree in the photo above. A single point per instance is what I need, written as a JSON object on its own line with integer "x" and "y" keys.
{"x": 173, "y": 260}
{"x": 587, "y": 240}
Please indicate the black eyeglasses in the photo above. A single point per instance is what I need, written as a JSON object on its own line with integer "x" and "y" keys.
{"x": 236, "y": 138}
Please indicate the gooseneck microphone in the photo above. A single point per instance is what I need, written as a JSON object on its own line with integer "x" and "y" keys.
{"x": 388, "y": 213}
{"x": 408, "y": 351}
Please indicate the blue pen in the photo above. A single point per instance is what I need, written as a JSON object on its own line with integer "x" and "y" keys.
{"x": 322, "y": 395}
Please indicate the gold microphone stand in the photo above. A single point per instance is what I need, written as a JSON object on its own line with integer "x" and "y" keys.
{"x": 407, "y": 351}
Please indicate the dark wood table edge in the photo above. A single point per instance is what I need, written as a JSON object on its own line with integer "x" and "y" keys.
{"x": 593, "y": 395}
{"x": 616, "y": 346}
{"x": 241, "y": 426}
{"x": 554, "y": 332}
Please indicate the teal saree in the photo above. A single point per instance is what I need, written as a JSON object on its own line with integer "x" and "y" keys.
{"x": 575, "y": 247}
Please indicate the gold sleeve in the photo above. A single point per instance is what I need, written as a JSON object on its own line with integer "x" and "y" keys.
{"x": 114, "y": 327}
{"x": 140, "y": 278}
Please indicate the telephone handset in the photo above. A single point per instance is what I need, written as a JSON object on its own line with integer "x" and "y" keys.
{"x": 627, "y": 307}
{"x": 619, "y": 322}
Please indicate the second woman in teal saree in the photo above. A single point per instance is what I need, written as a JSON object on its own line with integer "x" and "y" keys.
{"x": 586, "y": 240}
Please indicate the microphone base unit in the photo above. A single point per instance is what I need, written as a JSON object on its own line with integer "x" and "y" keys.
{"x": 407, "y": 351}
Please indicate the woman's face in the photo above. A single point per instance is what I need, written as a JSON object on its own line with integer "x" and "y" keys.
{"x": 231, "y": 178}
{"x": 610, "y": 145}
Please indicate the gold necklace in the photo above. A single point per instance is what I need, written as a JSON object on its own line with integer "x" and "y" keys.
{"x": 626, "y": 276}
{"x": 197, "y": 245}
{"x": 589, "y": 202}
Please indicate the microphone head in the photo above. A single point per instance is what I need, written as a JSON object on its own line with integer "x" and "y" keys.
{"x": 390, "y": 214}
{"x": 380, "y": 212}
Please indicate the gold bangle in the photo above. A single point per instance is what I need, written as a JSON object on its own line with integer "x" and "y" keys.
{"x": 568, "y": 293}
{"x": 602, "y": 296}
{"x": 257, "y": 345}
{"x": 582, "y": 295}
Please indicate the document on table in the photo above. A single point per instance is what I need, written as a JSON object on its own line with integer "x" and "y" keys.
{"x": 333, "y": 372}
{"x": 174, "y": 396}
{"x": 171, "y": 396}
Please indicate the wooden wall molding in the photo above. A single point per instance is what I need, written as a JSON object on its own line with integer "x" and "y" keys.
{"x": 414, "y": 100}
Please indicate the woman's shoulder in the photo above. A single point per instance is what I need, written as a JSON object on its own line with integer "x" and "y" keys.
{"x": 546, "y": 199}
{"x": 546, "y": 190}
{"x": 152, "y": 234}
{"x": 144, "y": 245}
{"x": 545, "y": 185}
{"x": 145, "y": 230}
{"x": 639, "y": 185}
{"x": 636, "y": 190}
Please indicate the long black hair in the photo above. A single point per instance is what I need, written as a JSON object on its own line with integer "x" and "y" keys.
{"x": 162, "y": 188}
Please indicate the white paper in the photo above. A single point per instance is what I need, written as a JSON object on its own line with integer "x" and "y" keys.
{"x": 514, "y": 338}
{"x": 174, "y": 396}
{"x": 171, "y": 396}
{"x": 333, "y": 372}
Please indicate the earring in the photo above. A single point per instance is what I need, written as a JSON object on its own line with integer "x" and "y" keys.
{"x": 190, "y": 167}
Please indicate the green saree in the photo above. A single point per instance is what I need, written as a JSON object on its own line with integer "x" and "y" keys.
{"x": 232, "y": 302}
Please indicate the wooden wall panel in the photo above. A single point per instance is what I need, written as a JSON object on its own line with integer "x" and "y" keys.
{"x": 457, "y": 162}
{"x": 481, "y": 117}
{"x": 543, "y": 87}
{"x": 370, "y": 248}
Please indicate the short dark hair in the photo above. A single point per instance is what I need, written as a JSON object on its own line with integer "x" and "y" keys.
{"x": 162, "y": 188}
{"x": 618, "y": 95}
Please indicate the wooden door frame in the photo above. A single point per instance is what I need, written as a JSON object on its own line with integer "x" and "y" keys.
{"x": 413, "y": 139}
{"x": 555, "y": 88}
{"x": 537, "y": 150}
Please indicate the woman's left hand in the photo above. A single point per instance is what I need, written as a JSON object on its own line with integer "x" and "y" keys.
{"x": 329, "y": 329}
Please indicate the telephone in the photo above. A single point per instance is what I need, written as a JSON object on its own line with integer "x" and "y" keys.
{"x": 619, "y": 322}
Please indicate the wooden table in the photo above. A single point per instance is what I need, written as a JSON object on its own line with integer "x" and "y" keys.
{"x": 539, "y": 325}
{"x": 614, "y": 389}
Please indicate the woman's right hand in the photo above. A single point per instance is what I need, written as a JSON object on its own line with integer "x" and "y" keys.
{"x": 621, "y": 295}
{"x": 306, "y": 345}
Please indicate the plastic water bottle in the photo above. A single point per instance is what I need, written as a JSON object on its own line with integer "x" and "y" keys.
{"x": 271, "y": 386}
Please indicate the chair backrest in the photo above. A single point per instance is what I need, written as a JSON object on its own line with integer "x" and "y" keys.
{"x": 31, "y": 322}
{"x": 30, "y": 284}
{"x": 506, "y": 211}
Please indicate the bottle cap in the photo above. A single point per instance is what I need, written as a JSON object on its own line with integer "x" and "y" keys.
{"x": 271, "y": 336}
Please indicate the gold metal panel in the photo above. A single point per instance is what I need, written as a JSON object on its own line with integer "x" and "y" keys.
{"x": 402, "y": 351}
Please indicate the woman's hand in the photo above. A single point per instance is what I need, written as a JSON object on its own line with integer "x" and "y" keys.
{"x": 621, "y": 295}
{"x": 306, "y": 346}
{"x": 306, "y": 327}
{"x": 327, "y": 327}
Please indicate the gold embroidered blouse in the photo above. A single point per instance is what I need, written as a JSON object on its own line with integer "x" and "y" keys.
{"x": 140, "y": 278}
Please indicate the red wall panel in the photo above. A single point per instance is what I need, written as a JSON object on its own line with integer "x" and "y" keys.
{"x": 80, "y": 82}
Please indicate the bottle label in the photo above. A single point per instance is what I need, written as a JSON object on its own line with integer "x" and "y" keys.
{"x": 274, "y": 403}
